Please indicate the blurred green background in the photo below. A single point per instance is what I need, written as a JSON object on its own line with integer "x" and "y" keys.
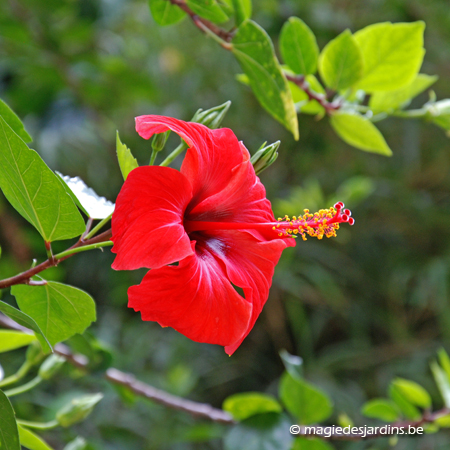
{"x": 360, "y": 309}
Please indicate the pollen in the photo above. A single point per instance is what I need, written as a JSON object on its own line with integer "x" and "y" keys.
{"x": 323, "y": 223}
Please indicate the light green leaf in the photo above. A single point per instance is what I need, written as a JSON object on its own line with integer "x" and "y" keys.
{"x": 208, "y": 9}
{"x": 413, "y": 392}
{"x": 341, "y": 63}
{"x": 13, "y": 121}
{"x": 406, "y": 407}
{"x": 301, "y": 99}
{"x": 242, "y": 10}
{"x": 268, "y": 431}
{"x": 165, "y": 13}
{"x": 254, "y": 50}
{"x": 35, "y": 191}
{"x": 302, "y": 443}
{"x": 32, "y": 441}
{"x": 359, "y": 132}
{"x": 9, "y": 435}
{"x": 439, "y": 112}
{"x": 10, "y": 340}
{"x": 389, "y": 101}
{"x": 444, "y": 359}
{"x": 26, "y": 321}
{"x": 442, "y": 381}
{"x": 127, "y": 162}
{"x": 305, "y": 401}
{"x": 86, "y": 198}
{"x": 247, "y": 404}
{"x": 443, "y": 421}
{"x": 392, "y": 54}
{"x": 77, "y": 444}
{"x": 382, "y": 409}
{"x": 60, "y": 310}
{"x": 299, "y": 47}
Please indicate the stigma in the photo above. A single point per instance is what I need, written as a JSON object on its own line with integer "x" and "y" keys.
{"x": 325, "y": 222}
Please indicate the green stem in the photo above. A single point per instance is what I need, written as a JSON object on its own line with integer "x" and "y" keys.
{"x": 174, "y": 154}
{"x": 83, "y": 249}
{"x": 24, "y": 388}
{"x": 152, "y": 157}
{"x": 23, "y": 370}
{"x": 38, "y": 425}
{"x": 98, "y": 227}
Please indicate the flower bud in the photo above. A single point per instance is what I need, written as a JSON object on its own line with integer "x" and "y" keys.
{"x": 265, "y": 156}
{"x": 50, "y": 366}
{"x": 159, "y": 141}
{"x": 34, "y": 353}
{"x": 212, "y": 117}
{"x": 77, "y": 409}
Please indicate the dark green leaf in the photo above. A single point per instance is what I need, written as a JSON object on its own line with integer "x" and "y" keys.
{"x": 165, "y": 13}
{"x": 382, "y": 409}
{"x": 359, "y": 132}
{"x": 262, "y": 432}
{"x": 10, "y": 340}
{"x": 413, "y": 392}
{"x": 127, "y": 161}
{"x": 292, "y": 363}
{"x": 60, "y": 310}
{"x": 306, "y": 402}
{"x": 9, "y": 435}
{"x": 392, "y": 54}
{"x": 254, "y": 50}
{"x": 35, "y": 191}
{"x": 242, "y": 10}
{"x": 26, "y": 321}
{"x": 302, "y": 443}
{"x": 13, "y": 121}
{"x": 208, "y": 9}
{"x": 299, "y": 47}
{"x": 407, "y": 408}
{"x": 32, "y": 441}
{"x": 247, "y": 404}
{"x": 391, "y": 100}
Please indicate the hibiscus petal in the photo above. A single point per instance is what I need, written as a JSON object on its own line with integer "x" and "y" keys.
{"x": 250, "y": 265}
{"x": 195, "y": 298}
{"x": 147, "y": 224}
{"x": 210, "y": 159}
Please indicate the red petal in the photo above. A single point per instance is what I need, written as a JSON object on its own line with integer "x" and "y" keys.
{"x": 250, "y": 265}
{"x": 147, "y": 223}
{"x": 210, "y": 159}
{"x": 195, "y": 298}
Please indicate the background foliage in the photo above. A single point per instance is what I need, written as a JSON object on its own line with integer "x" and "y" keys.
{"x": 362, "y": 309}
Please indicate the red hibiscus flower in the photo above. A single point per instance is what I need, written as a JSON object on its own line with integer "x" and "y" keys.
{"x": 203, "y": 230}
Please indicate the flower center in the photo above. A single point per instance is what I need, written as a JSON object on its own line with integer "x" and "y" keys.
{"x": 325, "y": 222}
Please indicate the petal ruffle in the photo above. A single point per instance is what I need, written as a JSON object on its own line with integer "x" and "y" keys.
{"x": 147, "y": 223}
{"x": 195, "y": 298}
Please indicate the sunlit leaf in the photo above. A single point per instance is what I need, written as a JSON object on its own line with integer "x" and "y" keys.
{"x": 13, "y": 121}
{"x": 9, "y": 435}
{"x": 407, "y": 408}
{"x": 247, "y": 404}
{"x": 382, "y": 409}
{"x": 242, "y": 10}
{"x": 10, "y": 340}
{"x": 35, "y": 191}
{"x": 60, "y": 310}
{"x": 127, "y": 161}
{"x": 413, "y": 392}
{"x": 32, "y": 441}
{"x": 208, "y": 9}
{"x": 165, "y": 13}
{"x": 442, "y": 381}
{"x": 254, "y": 50}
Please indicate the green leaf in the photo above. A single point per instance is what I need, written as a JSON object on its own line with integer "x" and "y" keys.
{"x": 165, "y": 13}
{"x": 440, "y": 113}
{"x": 60, "y": 310}
{"x": 443, "y": 421}
{"x": 26, "y": 321}
{"x": 254, "y": 50}
{"x": 242, "y": 10}
{"x": 208, "y": 9}
{"x": 299, "y": 47}
{"x": 301, "y": 99}
{"x": 77, "y": 444}
{"x": 306, "y": 402}
{"x": 10, "y": 340}
{"x": 35, "y": 191}
{"x": 32, "y": 441}
{"x": 382, "y": 409}
{"x": 247, "y": 404}
{"x": 127, "y": 162}
{"x": 86, "y": 198}
{"x": 359, "y": 132}
{"x": 302, "y": 443}
{"x": 406, "y": 407}
{"x": 392, "y": 100}
{"x": 341, "y": 63}
{"x": 13, "y": 121}
{"x": 442, "y": 381}
{"x": 9, "y": 435}
{"x": 392, "y": 54}
{"x": 292, "y": 363}
{"x": 444, "y": 359}
{"x": 413, "y": 392}
{"x": 262, "y": 432}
